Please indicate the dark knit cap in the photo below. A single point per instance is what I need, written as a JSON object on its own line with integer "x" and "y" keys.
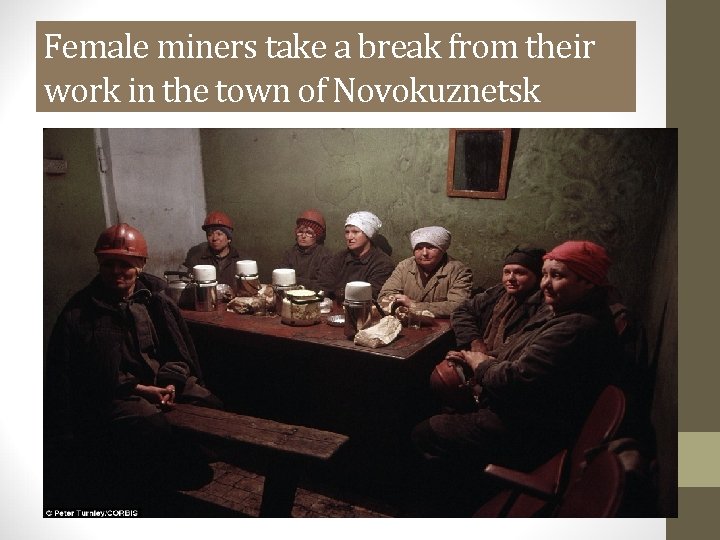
{"x": 227, "y": 230}
{"x": 530, "y": 257}
{"x": 314, "y": 226}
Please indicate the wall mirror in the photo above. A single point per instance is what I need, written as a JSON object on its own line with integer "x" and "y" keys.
{"x": 478, "y": 163}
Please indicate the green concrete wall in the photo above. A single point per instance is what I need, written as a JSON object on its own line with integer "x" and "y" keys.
{"x": 72, "y": 219}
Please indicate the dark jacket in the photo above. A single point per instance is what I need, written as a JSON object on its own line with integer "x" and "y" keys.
{"x": 374, "y": 267}
{"x": 547, "y": 378}
{"x": 100, "y": 349}
{"x": 307, "y": 264}
{"x": 470, "y": 320}
{"x": 225, "y": 266}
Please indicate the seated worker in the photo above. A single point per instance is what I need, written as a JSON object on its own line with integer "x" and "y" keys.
{"x": 309, "y": 254}
{"x": 218, "y": 250}
{"x": 536, "y": 390}
{"x": 118, "y": 356}
{"x": 361, "y": 261}
{"x": 486, "y": 321}
{"x": 431, "y": 279}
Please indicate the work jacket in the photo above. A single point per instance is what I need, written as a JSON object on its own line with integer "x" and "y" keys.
{"x": 224, "y": 266}
{"x": 101, "y": 348}
{"x": 473, "y": 316}
{"x": 307, "y": 263}
{"x": 374, "y": 267}
{"x": 547, "y": 378}
{"x": 446, "y": 289}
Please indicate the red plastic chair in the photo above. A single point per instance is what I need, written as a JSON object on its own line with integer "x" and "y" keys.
{"x": 598, "y": 492}
{"x": 539, "y": 492}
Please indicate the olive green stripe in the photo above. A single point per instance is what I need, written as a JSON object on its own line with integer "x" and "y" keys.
{"x": 698, "y": 455}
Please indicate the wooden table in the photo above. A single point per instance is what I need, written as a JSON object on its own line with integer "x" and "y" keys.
{"x": 315, "y": 376}
{"x": 409, "y": 343}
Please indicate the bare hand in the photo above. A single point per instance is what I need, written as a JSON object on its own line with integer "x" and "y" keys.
{"x": 455, "y": 356}
{"x": 474, "y": 358}
{"x": 478, "y": 345}
{"x": 164, "y": 397}
{"x": 404, "y": 300}
{"x": 168, "y": 399}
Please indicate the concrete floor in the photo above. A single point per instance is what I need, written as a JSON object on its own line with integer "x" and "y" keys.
{"x": 236, "y": 490}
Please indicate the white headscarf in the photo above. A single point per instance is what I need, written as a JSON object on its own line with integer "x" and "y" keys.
{"x": 367, "y": 222}
{"x": 437, "y": 236}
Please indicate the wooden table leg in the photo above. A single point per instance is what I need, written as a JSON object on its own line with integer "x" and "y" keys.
{"x": 280, "y": 486}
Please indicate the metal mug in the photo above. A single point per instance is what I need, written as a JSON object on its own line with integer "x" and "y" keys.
{"x": 205, "y": 295}
{"x": 358, "y": 315}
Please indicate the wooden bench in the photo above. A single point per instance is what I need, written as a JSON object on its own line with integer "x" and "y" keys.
{"x": 286, "y": 447}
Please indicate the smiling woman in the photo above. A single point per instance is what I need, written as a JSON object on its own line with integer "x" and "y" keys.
{"x": 572, "y": 271}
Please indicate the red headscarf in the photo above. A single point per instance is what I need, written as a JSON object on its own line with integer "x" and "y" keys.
{"x": 586, "y": 259}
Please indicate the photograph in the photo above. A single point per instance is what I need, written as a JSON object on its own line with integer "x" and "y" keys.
{"x": 456, "y": 322}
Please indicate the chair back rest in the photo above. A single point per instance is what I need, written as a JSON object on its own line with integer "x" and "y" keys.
{"x": 600, "y": 427}
{"x": 636, "y": 375}
{"x": 598, "y": 492}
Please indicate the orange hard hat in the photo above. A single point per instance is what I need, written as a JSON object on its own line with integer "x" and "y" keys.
{"x": 217, "y": 218}
{"x": 451, "y": 385}
{"x": 122, "y": 241}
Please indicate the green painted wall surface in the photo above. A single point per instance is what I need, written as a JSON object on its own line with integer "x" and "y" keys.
{"x": 72, "y": 219}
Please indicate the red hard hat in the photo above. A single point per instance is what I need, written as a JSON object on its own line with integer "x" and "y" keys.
{"x": 450, "y": 382}
{"x": 217, "y": 218}
{"x": 122, "y": 241}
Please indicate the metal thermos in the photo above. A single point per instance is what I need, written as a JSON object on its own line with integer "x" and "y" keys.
{"x": 357, "y": 306}
{"x": 283, "y": 280}
{"x": 179, "y": 288}
{"x": 358, "y": 315}
{"x": 206, "y": 296}
{"x": 247, "y": 281}
{"x": 205, "y": 287}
